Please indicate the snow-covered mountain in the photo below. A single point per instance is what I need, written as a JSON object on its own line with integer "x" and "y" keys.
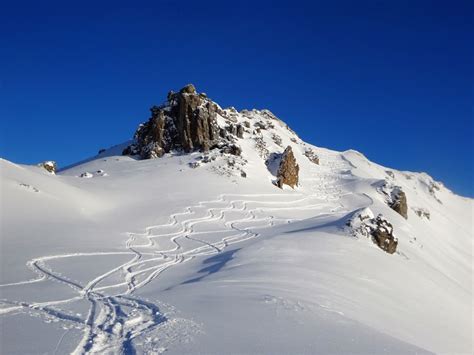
{"x": 189, "y": 239}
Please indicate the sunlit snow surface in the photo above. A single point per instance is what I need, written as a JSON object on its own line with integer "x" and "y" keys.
{"x": 154, "y": 256}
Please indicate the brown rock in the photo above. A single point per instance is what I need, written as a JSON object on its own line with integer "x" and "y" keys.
{"x": 288, "y": 171}
{"x": 399, "y": 203}
{"x": 383, "y": 236}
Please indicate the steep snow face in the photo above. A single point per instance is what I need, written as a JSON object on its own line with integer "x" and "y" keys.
{"x": 203, "y": 253}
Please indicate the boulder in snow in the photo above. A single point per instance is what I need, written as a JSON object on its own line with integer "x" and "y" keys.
{"x": 49, "y": 165}
{"x": 399, "y": 202}
{"x": 379, "y": 229}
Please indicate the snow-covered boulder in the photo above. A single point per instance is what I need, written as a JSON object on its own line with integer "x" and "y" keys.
{"x": 379, "y": 229}
{"x": 395, "y": 198}
{"x": 49, "y": 165}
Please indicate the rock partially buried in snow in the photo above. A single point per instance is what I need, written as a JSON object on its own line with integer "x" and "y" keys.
{"x": 49, "y": 165}
{"x": 422, "y": 212}
{"x": 288, "y": 171}
{"x": 383, "y": 235}
{"x": 312, "y": 156}
{"x": 395, "y": 198}
{"x": 379, "y": 229}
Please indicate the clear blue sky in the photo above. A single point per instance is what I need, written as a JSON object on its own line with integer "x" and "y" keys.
{"x": 392, "y": 79}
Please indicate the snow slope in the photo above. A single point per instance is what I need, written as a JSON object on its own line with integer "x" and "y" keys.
{"x": 184, "y": 255}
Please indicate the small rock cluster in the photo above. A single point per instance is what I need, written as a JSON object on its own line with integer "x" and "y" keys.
{"x": 312, "y": 156}
{"x": 422, "y": 212}
{"x": 89, "y": 175}
{"x": 379, "y": 229}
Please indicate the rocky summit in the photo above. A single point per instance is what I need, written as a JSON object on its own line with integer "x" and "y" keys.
{"x": 186, "y": 121}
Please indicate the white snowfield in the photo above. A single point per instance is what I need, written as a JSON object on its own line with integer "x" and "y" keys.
{"x": 153, "y": 256}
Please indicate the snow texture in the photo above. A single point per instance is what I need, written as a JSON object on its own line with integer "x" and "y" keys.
{"x": 148, "y": 256}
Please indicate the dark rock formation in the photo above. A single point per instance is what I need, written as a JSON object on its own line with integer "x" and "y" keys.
{"x": 49, "y": 165}
{"x": 399, "y": 202}
{"x": 395, "y": 198}
{"x": 186, "y": 121}
{"x": 382, "y": 235}
{"x": 232, "y": 149}
{"x": 288, "y": 171}
{"x": 312, "y": 156}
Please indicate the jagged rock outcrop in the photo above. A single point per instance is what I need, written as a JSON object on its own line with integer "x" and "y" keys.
{"x": 49, "y": 165}
{"x": 288, "y": 171}
{"x": 399, "y": 202}
{"x": 186, "y": 121}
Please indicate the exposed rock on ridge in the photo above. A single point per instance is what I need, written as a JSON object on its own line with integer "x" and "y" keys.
{"x": 186, "y": 121}
{"x": 49, "y": 166}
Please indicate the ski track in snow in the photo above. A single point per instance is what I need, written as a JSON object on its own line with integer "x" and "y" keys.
{"x": 114, "y": 319}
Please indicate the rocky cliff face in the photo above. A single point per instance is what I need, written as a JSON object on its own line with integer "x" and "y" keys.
{"x": 288, "y": 172}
